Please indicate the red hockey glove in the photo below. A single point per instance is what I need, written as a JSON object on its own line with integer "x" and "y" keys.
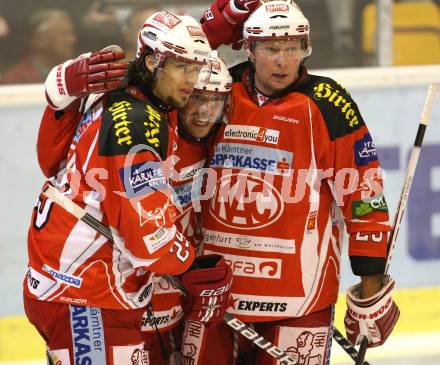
{"x": 90, "y": 73}
{"x": 209, "y": 289}
{"x": 374, "y": 317}
{"x": 222, "y": 22}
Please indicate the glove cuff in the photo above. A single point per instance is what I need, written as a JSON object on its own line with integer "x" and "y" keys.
{"x": 55, "y": 87}
{"x": 237, "y": 10}
{"x": 234, "y": 15}
{"x": 354, "y": 291}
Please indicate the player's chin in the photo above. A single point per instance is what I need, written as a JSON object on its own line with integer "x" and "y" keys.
{"x": 200, "y": 130}
{"x": 180, "y": 100}
{"x": 280, "y": 84}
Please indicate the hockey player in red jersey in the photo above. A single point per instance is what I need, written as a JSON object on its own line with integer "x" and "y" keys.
{"x": 197, "y": 121}
{"x": 295, "y": 167}
{"x": 84, "y": 294}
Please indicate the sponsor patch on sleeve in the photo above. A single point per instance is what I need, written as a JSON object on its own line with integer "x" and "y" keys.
{"x": 364, "y": 150}
{"x": 363, "y": 207}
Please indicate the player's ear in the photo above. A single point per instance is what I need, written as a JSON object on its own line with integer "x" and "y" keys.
{"x": 249, "y": 51}
{"x": 149, "y": 63}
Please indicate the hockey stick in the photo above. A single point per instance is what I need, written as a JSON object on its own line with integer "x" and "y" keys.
{"x": 410, "y": 170}
{"x": 348, "y": 347}
{"x": 53, "y": 194}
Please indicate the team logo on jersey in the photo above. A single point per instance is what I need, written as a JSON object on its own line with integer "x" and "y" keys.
{"x": 364, "y": 150}
{"x": 255, "y": 267}
{"x": 143, "y": 178}
{"x": 368, "y": 205}
{"x": 246, "y": 202}
{"x": 251, "y": 133}
{"x": 256, "y": 158}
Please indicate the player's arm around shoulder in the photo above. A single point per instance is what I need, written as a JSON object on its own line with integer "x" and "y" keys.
{"x": 67, "y": 87}
{"x": 134, "y": 144}
{"x": 54, "y": 137}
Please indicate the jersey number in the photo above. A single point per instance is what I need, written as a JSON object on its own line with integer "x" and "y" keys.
{"x": 43, "y": 209}
{"x": 365, "y": 237}
{"x": 180, "y": 245}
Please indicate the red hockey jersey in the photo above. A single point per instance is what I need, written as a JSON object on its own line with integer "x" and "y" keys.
{"x": 52, "y": 148}
{"x": 166, "y": 300}
{"x": 127, "y": 190}
{"x": 289, "y": 173}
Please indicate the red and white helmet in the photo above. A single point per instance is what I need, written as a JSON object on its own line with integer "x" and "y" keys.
{"x": 171, "y": 35}
{"x": 277, "y": 20}
{"x": 219, "y": 80}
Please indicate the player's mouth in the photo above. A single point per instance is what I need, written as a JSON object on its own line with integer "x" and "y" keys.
{"x": 200, "y": 123}
{"x": 186, "y": 91}
{"x": 279, "y": 76}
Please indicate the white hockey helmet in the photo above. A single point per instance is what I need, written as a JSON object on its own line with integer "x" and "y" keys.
{"x": 171, "y": 35}
{"x": 219, "y": 81}
{"x": 210, "y": 101}
{"x": 278, "y": 20}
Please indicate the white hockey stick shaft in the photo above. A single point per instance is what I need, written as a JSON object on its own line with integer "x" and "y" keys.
{"x": 53, "y": 194}
{"x": 410, "y": 170}
{"x": 404, "y": 194}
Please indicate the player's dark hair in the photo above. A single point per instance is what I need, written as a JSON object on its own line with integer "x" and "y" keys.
{"x": 137, "y": 71}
